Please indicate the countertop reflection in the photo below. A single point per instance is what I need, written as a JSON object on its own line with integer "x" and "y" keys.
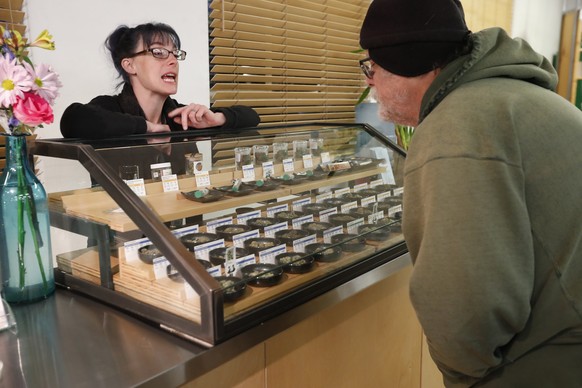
{"x": 70, "y": 340}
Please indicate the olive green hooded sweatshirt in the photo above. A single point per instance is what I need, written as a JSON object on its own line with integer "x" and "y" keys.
{"x": 493, "y": 220}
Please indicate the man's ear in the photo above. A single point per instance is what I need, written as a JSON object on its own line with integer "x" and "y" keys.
{"x": 127, "y": 65}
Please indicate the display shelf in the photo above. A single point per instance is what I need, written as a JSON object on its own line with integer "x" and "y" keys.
{"x": 117, "y": 222}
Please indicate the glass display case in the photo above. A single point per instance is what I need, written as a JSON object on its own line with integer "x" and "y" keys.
{"x": 208, "y": 233}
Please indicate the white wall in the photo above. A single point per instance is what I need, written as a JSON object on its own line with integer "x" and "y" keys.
{"x": 538, "y": 22}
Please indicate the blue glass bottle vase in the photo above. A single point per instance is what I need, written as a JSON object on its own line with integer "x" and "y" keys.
{"x": 26, "y": 264}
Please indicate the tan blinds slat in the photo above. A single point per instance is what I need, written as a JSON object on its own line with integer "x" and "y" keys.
{"x": 291, "y": 60}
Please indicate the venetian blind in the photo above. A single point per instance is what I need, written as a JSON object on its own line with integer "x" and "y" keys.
{"x": 293, "y": 61}
{"x": 12, "y": 17}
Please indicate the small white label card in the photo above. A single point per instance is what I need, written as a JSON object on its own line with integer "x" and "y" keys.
{"x": 376, "y": 182}
{"x": 215, "y": 271}
{"x": 352, "y": 226}
{"x": 307, "y": 161}
{"x": 319, "y": 198}
{"x": 243, "y": 218}
{"x": 202, "y": 179}
{"x": 298, "y": 204}
{"x": 325, "y": 157}
{"x": 271, "y": 211}
{"x": 268, "y": 255}
{"x": 186, "y": 230}
{"x": 372, "y": 218}
{"x": 360, "y": 186}
{"x": 339, "y": 192}
{"x": 137, "y": 186}
{"x": 131, "y": 248}
{"x": 268, "y": 169}
{"x": 211, "y": 225}
{"x": 382, "y": 196}
{"x": 393, "y": 210}
{"x": 170, "y": 183}
{"x": 238, "y": 240}
{"x": 272, "y": 229}
{"x": 288, "y": 165}
{"x": 324, "y": 214}
{"x": 201, "y": 251}
{"x": 248, "y": 172}
{"x": 300, "y": 244}
{"x": 161, "y": 267}
{"x": 398, "y": 191}
{"x": 345, "y": 208}
{"x": 368, "y": 200}
{"x": 330, "y": 232}
{"x": 241, "y": 262}
{"x": 297, "y": 222}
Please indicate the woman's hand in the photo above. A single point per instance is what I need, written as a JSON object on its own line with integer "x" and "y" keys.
{"x": 197, "y": 116}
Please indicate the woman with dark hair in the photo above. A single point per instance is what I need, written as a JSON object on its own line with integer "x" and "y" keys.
{"x": 146, "y": 57}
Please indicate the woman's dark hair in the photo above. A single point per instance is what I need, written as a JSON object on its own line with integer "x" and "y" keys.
{"x": 122, "y": 42}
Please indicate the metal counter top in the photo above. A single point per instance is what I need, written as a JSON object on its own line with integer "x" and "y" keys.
{"x": 70, "y": 340}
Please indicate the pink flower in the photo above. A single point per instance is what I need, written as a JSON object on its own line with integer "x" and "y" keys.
{"x": 46, "y": 82}
{"x": 33, "y": 110}
{"x": 14, "y": 81}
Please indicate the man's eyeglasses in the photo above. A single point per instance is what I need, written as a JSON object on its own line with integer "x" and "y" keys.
{"x": 366, "y": 66}
{"x": 162, "y": 53}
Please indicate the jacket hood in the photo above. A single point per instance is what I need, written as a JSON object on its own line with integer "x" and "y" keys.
{"x": 494, "y": 55}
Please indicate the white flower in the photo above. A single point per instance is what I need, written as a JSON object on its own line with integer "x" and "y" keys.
{"x": 46, "y": 82}
{"x": 14, "y": 81}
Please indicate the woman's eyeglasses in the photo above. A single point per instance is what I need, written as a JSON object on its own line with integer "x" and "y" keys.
{"x": 162, "y": 53}
{"x": 366, "y": 66}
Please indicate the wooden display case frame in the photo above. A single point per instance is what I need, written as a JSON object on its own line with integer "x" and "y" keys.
{"x": 212, "y": 327}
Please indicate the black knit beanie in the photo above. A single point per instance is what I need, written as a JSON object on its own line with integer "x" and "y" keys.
{"x": 412, "y": 37}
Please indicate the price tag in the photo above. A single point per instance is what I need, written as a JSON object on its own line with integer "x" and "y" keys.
{"x": 239, "y": 239}
{"x": 297, "y": 222}
{"x": 243, "y": 261}
{"x": 382, "y": 196}
{"x": 352, "y": 226}
{"x": 268, "y": 169}
{"x": 137, "y": 186}
{"x": 324, "y": 214}
{"x": 202, "y": 179}
{"x": 319, "y": 198}
{"x": 211, "y": 225}
{"x": 243, "y": 218}
{"x": 160, "y": 267}
{"x": 376, "y": 182}
{"x": 201, "y": 251}
{"x": 393, "y": 210}
{"x": 288, "y": 165}
{"x": 368, "y": 200}
{"x": 345, "y": 208}
{"x": 307, "y": 161}
{"x": 248, "y": 172}
{"x": 300, "y": 244}
{"x": 272, "y": 229}
{"x": 268, "y": 255}
{"x": 398, "y": 191}
{"x": 214, "y": 271}
{"x": 330, "y": 232}
{"x": 325, "y": 157}
{"x": 372, "y": 218}
{"x": 170, "y": 183}
{"x": 339, "y": 192}
{"x": 132, "y": 247}
{"x": 298, "y": 204}
{"x": 271, "y": 211}
{"x": 360, "y": 186}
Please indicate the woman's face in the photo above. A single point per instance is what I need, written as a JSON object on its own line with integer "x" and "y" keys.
{"x": 156, "y": 75}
